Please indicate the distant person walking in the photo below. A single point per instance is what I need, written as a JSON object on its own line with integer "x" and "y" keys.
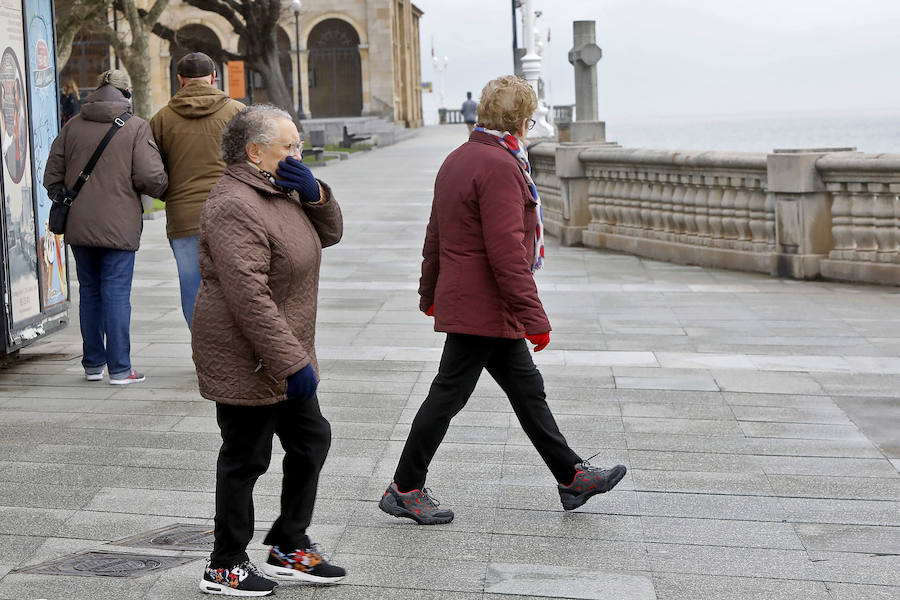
{"x": 69, "y": 101}
{"x": 469, "y": 112}
{"x": 262, "y": 231}
{"x": 483, "y": 243}
{"x": 188, "y": 131}
{"x": 104, "y": 225}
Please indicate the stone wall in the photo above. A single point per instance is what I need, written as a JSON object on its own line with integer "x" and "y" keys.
{"x": 800, "y": 214}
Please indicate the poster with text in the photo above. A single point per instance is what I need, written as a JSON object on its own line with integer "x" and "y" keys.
{"x": 24, "y": 297}
{"x": 44, "y": 118}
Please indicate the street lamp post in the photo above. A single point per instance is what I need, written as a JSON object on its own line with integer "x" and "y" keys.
{"x": 295, "y": 6}
{"x": 442, "y": 69}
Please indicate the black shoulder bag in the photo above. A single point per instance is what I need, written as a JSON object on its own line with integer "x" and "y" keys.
{"x": 62, "y": 202}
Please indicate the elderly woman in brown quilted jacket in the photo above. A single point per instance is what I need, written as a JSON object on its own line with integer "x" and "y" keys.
{"x": 262, "y": 231}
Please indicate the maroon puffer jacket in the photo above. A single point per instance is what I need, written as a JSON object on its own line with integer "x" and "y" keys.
{"x": 478, "y": 246}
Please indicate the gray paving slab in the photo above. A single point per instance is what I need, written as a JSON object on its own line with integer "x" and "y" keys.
{"x": 757, "y": 417}
{"x": 687, "y": 586}
{"x": 567, "y": 582}
{"x": 720, "y": 532}
{"x": 849, "y": 538}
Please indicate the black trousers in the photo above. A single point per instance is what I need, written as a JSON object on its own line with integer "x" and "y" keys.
{"x": 509, "y": 363}
{"x": 247, "y": 433}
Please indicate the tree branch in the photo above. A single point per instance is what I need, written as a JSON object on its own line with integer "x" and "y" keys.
{"x": 224, "y": 10}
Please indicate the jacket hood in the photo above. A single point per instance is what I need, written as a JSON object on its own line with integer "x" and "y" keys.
{"x": 104, "y": 104}
{"x": 198, "y": 99}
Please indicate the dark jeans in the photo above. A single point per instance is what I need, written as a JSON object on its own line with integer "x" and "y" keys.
{"x": 509, "y": 363}
{"x": 246, "y": 451}
{"x": 104, "y": 308}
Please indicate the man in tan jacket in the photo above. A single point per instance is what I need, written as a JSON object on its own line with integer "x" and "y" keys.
{"x": 188, "y": 131}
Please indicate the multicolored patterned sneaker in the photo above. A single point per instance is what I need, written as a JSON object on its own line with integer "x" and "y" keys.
{"x": 589, "y": 481}
{"x": 417, "y": 505}
{"x": 133, "y": 377}
{"x": 243, "y": 579}
{"x": 303, "y": 564}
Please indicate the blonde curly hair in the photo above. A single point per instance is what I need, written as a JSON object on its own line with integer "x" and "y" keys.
{"x": 505, "y": 103}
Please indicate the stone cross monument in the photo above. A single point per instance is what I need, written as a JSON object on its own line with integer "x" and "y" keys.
{"x": 584, "y": 56}
{"x": 531, "y": 69}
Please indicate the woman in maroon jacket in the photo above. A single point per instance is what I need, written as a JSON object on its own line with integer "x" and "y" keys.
{"x": 484, "y": 242}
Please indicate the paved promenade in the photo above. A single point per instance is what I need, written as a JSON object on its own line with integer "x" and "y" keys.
{"x": 758, "y": 418}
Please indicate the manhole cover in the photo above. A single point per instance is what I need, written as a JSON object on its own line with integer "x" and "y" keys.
{"x": 107, "y": 564}
{"x": 180, "y": 536}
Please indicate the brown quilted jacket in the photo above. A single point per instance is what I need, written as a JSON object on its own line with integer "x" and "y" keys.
{"x": 255, "y": 315}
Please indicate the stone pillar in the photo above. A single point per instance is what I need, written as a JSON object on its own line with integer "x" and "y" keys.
{"x": 803, "y": 234}
{"x": 531, "y": 69}
{"x": 584, "y": 56}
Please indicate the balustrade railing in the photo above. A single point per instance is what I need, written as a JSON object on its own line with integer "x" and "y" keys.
{"x": 794, "y": 213}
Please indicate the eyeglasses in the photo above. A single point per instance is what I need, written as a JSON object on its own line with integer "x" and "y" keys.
{"x": 292, "y": 147}
{"x": 531, "y": 124}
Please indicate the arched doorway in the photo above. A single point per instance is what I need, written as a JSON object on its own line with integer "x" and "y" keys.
{"x": 335, "y": 73}
{"x": 194, "y": 38}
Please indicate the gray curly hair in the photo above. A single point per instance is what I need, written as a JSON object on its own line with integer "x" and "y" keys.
{"x": 254, "y": 124}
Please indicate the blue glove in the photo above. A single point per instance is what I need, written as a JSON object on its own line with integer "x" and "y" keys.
{"x": 302, "y": 384}
{"x": 293, "y": 174}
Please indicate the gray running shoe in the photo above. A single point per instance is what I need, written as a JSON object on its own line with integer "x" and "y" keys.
{"x": 417, "y": 505}
{"x": 589, "y": 481}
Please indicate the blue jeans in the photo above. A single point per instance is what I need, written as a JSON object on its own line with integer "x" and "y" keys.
{"x": 187, "y": 257}
{"x": 104, "y": 284}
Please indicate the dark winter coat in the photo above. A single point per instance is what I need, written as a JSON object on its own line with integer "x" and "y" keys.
{"x": 255, "y": 317}
{"x": 107, "y": 212}
{"x": 478, "y": 246}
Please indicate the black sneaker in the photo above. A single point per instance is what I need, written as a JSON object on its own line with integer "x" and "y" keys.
{"x": 304, "y": 564}
{"x": 240, "y": 580}
{"x": 417, "y": 505}
{"x": 589, "y": 481}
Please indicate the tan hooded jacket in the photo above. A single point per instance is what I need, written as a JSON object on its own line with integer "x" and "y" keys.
{"x": 189, "y": 133}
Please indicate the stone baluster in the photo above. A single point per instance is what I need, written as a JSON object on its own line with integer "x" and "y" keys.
{"x": 629, "y": 200}
{"x": 770, "y": 221}
{"x": 844, "y": 248}
{"x": 690, "y": 223}
{"x": 665, "y": 201}
{"x": 655, "y": 201}
{"x": 677, "y": 207}
{"x": 714, "y": 201}
{"x": 895, "y": 190}
{"x": 883, "y": 221}
{"x": 862, "y": 221}
{"x": 596, "y": 206}
{"x": 701, "y": 209}
{"x": 729, "y": 228}
{"x": 742, "y": 213}
{"x": 634, "y": 203}
{"x": 757, "y": 212}
{"x": 645, "y": 218}
{"x": 618, "y": 202}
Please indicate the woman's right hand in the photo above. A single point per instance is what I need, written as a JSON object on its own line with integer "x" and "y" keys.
{"x": 302, "y": 384}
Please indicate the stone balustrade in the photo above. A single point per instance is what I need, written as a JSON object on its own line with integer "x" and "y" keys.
{"x": 801, "y": 214}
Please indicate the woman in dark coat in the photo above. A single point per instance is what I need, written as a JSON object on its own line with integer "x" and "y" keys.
{"x": 483, "y": 243}
{"x": 261, "y": 241}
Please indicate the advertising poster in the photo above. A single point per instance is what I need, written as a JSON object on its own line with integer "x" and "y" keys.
{"x": 44, "y": 118}
{"x": 22, "y": 265}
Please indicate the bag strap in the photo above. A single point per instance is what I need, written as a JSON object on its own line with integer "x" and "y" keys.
{"x": 118, "y": 123}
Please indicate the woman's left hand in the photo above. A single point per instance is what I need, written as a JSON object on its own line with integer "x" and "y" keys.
{"x": 293, "y": 174}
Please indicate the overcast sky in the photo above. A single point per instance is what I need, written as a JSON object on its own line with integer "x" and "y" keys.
{"x": 677, "y": 57}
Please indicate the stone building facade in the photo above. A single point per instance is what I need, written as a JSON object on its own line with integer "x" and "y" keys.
{"x": 357, "y": 57}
